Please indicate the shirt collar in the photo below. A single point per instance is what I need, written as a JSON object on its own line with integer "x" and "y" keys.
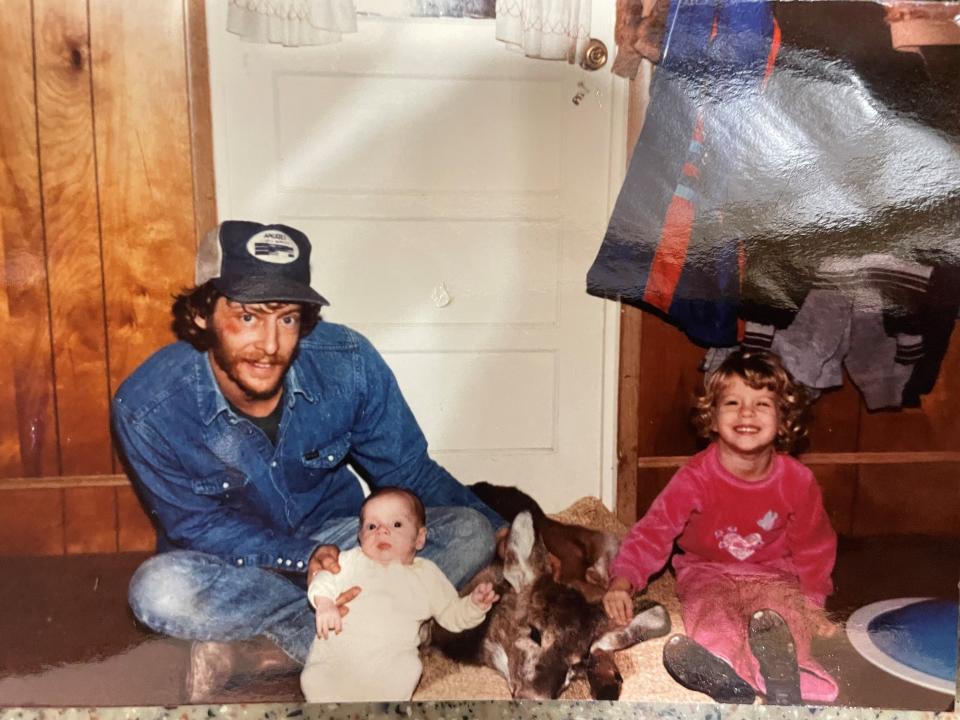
{"x": 210, "y": 399}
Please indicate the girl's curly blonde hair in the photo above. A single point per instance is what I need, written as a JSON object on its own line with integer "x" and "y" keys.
{"x": 761, "y": 370}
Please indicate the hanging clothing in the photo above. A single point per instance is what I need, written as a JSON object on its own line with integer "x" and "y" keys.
{"x": 847, "y": 148}
{"x": 661, "y": 250}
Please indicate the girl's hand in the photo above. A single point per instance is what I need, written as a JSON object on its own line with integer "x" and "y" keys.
{"x": 328, "y": 618}
{"x": 618, "y": 601}
{"x": 483, "y": 596}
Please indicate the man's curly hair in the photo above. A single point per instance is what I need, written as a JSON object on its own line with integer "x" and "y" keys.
{"x": 761, "y": 370}
{"x": 200, "y": 301}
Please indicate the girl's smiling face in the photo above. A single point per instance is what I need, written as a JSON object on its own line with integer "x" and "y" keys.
{"x": 746, "y": 419}
{"x": 389, "y": 530}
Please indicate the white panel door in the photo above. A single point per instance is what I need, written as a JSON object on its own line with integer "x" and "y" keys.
{"x": 455, "y": 197}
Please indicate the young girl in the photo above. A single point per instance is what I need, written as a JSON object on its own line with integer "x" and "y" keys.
{"x": 756, "y": 545}
{"x": 371, "y": 654}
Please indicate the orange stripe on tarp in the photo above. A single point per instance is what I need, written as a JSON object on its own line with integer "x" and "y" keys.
{"x": 772, "y": 55}
{"x": 671, "y": 251}
{"x": 691, "y": 170}
{"x": 671, "y": 254}
{"x": 742, "y": 270}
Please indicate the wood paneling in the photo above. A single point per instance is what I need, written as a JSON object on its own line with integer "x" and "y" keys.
{"x": 134, "y": 529}
{"x": 650, "y": 481}
{"x": 144, "y": 179}
{"x": 90, "y": 520}
{"x": 628, "y": 414}
{"x": 9, "y": 425}
{"x": 27, "y": 349}
{"x": 838, "y": 483}
{"x": 71, "y": 223}
{"x": 106, "y": 113}
{"x": 897, "y": 499}
{"x": 835, "y": 420}
{"x": 668, "y": 380}
{"x": 31, "y": 522}
{"x": 201, "y": 119}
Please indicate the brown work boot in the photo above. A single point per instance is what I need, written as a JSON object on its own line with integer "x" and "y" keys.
{"x": 215, "y": 666}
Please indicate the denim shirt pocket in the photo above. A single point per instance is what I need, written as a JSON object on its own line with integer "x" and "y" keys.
{"x": 328, "y": 456}
{"x": 226, "y": 486}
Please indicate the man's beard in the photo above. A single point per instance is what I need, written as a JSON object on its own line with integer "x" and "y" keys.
{"x": 228, "y": 365}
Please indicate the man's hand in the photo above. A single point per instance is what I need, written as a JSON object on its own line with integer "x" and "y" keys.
{"x": 325, "y": 557}
{"x": 501, "y": 541}
{"x": 618, "y": 602}
{"x": 483, "y": 596}
{"x": 345, "y": 597}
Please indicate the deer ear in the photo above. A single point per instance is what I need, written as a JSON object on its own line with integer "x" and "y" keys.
{"x": 555, "y": 566}
{"x": 517, "y": 568}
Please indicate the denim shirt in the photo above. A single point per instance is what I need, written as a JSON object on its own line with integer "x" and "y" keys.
{"x": 214, "y": 483}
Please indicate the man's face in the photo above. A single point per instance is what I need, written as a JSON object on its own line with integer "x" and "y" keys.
{"x": 389, "y": 531}
{"x": 255, "y": 344}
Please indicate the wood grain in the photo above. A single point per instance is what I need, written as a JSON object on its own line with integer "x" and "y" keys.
{"x": 920, "y": 498}
{"x": 134, "y": 529}
{"x": 839, "y": 483}
{"x": 71, "y": 222}
{"x": 835, "y": 424}
{"x": 631, "y": 331}
{"x": 90, "y": 520}
{"x": 144, "y": 178}
{"x": 31, "y": 522}
{"x": 201, "y": 119}
{"x": 669, "y": 379}
{"x": 628, "y": 414}
{"x": 27, "y": 330}
{"x": 9, "y": 425}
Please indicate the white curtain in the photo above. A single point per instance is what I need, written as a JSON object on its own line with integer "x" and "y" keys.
{"x": 547, "y": 29}
{"x": 292, "y": 22}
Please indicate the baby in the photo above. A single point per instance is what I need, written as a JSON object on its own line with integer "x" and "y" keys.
{"x": 375, "y": 656}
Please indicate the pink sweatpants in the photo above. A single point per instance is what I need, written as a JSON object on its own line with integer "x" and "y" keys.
{"x": 716, "y": 609}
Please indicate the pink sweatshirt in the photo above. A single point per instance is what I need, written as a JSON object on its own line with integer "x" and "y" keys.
{"x": 775, "y": 525}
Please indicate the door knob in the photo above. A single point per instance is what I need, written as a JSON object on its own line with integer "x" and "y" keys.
{"x": 594, "y": 55}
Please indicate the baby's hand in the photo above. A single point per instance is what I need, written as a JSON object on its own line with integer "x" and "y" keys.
{"x": 483, "y": 596}
{"x": 328, "y": 618}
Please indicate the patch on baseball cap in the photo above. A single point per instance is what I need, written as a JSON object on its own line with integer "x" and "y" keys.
{"x": 251, "y": 262}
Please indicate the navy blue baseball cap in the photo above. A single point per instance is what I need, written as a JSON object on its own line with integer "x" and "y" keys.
{"x": 253, "y": 263}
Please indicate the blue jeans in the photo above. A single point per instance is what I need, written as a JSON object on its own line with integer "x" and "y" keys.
{"x": 196, "y": 596}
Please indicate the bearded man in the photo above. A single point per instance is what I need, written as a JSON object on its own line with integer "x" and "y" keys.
{"x": 245, "y": 441}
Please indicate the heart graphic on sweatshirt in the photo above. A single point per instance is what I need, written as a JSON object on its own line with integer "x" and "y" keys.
{"x": 738, "y": 546}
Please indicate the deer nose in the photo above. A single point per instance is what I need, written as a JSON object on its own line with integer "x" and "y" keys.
{"x": 529, "y": 693}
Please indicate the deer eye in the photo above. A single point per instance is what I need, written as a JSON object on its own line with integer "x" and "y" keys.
{"x": 535, "y": 635}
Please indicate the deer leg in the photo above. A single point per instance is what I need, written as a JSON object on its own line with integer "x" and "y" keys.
{"x": 650, "y": 620}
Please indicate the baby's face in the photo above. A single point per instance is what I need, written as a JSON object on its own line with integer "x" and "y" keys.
{"x": 389, "y": 531}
